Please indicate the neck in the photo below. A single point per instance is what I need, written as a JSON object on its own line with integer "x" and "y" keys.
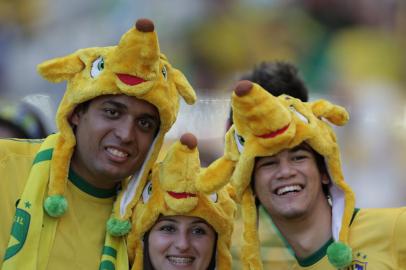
{"x": 97, "y": 181}
{"x": 308, "y": 233}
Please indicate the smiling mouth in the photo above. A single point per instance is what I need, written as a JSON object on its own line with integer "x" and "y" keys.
{"x": 176, "y": 260}
{"x": 114, "y": 152}
{"x": 293, "y": 189}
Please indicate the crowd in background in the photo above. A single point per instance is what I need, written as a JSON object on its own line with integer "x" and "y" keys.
{"x": 351, "y": 52}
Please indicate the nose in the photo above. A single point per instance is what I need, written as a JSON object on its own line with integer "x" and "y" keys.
{"x": 182, "y": 241}
{"x": 285, "y": 170}
{"x": 125, "y": 130}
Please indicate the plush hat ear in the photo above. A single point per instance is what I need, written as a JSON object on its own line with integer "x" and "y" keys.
{"x": 220, "y": 171}
{"x": 183, "y": 86}
{"x": 333, "y": 113}
{"x": 60, "y": 69}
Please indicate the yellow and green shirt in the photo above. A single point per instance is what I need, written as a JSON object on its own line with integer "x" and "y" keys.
{"x": 79, "y": 239}
{"x": 377, "y": 238}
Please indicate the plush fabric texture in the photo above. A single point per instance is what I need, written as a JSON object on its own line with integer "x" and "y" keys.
{"x": 264, "y": 126}
{"x": 135, "y": 67}
{"x": 172, "y": 191}
{"x": 218, "y": 173}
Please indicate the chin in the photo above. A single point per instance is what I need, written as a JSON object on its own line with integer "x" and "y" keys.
{"x": 292, "y": 213}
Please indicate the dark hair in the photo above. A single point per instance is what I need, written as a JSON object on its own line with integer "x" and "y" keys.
{"x": 147, "y": 265}
{"x": 277, "y": 77}
{"x": 82, "y": 107}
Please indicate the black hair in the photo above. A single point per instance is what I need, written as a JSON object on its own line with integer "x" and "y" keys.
{"x": 277, "y": 77}
{"x": 147, "y": 265}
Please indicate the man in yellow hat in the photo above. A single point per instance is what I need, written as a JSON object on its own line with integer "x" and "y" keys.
{"x": 276, "y": 77}
{"x": 67, "y": 200}
{"x": 290, "y": 163}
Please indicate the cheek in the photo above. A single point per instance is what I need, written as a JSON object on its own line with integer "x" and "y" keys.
{"x": 145, "y": 142}
{"x": 261, "y": 181}
{"x": 158, "y": 244}
{"x": 205, "y": 246}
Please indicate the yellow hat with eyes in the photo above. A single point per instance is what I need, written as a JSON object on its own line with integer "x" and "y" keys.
{"x": 265, "y": 125}
{"x": 135, "y": 67}
{"x": 172, "y": 191}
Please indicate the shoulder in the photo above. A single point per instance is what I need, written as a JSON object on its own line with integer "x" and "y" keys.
{"x": 390, "y": 220}
{"x": 19, "y": 147}
{"x": 381, "y": 213}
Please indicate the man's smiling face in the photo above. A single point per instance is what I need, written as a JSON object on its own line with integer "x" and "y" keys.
{"x": 289, "y": 184}
{"x": 113, "y": 136}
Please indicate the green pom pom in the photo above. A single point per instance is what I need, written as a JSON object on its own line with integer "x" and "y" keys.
{"x": 117, "y": 227}
{"x": 55, "y": 205}
{"x": 339, "y": 254}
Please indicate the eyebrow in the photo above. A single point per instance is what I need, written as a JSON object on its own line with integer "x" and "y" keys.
{"x": 175, "y": 221}
{"x": 122, "y": 106}
{"x": 301, "y": 147}
{"x": 115, "y": 104}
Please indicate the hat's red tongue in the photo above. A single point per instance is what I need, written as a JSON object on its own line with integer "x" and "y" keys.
{"x": 129, "y": 79}
{"x": 181, "y": 195}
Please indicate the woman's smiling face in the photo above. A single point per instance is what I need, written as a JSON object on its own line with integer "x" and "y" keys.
{"x": 181, "y": 242}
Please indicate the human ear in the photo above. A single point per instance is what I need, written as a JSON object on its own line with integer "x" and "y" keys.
{"x": 325, "y": 179}
{"x": 74, "y": 118}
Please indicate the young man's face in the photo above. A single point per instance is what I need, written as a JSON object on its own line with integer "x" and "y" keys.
{"x": 113, "y": 136}
{"x": 289, "y": 184}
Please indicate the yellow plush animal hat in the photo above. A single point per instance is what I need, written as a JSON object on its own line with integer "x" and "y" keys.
{"x": 172, "y": 191}
{"x": 135, "y": 67}
{"x": 264, "y": 126}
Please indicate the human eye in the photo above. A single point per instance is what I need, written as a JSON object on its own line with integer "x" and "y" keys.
{"x": 267, "y": 162}
{"x": 167, "y": 228}
{"x": 199, "y": 230}
{"x": 147, "y": 124}
{"x": 300, "y": 155}
{"x": 111, "y": 113}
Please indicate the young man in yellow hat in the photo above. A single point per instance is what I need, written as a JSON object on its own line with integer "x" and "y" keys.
{"x": 276, "y": 77}
{"x": 67, "y": 200}
{"x": 290, "y": 163}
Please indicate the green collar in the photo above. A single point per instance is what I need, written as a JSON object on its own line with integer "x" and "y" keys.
{"x": 316, "y": 256}
{"x": 84, "y": 186}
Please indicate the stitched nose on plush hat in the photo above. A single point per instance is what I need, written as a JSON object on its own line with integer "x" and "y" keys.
{"x": 243, "y": 88}
{"x": 189, "y": 140}
{"x": 250, "y": 102}
{"x": 178, "y": 173}
{"x": 144, "y": 25}
{"x": 136, "y": 57}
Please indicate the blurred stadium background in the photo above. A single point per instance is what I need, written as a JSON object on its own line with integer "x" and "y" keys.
{"x": 351, "y": 52}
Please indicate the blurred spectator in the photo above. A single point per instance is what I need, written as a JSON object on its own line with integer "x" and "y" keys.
{"x": 20, "y": 121}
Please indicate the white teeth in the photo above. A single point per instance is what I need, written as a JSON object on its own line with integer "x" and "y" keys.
{"x": 180, "y": 260}
{"x": 283, "y": 190}
{"x": 116, "y": 152}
